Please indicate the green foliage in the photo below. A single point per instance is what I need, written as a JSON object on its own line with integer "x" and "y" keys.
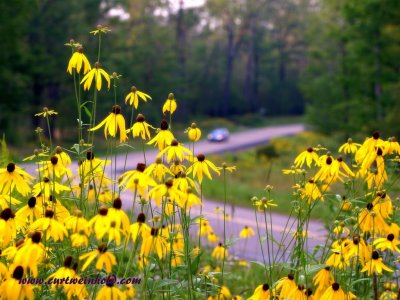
{"x": 352, "y": 77}
{"x": 5, "y": 156}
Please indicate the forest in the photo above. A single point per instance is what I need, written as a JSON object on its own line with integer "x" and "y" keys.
{"x": 334, "y": 61}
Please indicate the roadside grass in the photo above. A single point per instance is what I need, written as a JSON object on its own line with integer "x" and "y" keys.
{"x": 262, "y": 166}
{"x": 206, "y": 124}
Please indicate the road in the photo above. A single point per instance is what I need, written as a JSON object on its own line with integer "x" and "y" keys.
{"x": 242, "y": 216}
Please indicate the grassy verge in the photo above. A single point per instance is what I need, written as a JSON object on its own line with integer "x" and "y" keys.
{"x": 263, "y": 166}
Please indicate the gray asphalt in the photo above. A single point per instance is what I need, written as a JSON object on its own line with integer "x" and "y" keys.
{"x": 242, "y": 216}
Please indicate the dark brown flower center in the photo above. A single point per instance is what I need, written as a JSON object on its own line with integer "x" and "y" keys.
{"x": 335, "y": 286}
{"x": 265, "y": 287}
{"x": 18, "y": 273}
{"x": 310, "y": 149}
{"x": 169, "y": 183}
{"x": 6, "y": 214}
{"x": 140, "y": 118}
{"x": 10, "y": 167}
{"x": 290, "y": 276}
{"x": 36, "y": 237}
{"x": 68, "y": 261}
{"x": 375, "y": 255}
{"x": 370, "y": 206}
{"x": 49, "y": 213}
{"x": 32, "y": 202}
{"x": 154, "y": 231}
{"x": 141, "y": 218}
{"x": 103, "y": 211}
{"x": 390, "y": 237}
{"x": 116, "y": 109}
{"x": 80, "y": 50}
{"x": 54, "y": 160}
{"x": 164, "y": 125}
{"x": 102, "y": 248}
{"x": 140, "y": 167}
{"x": 89, "y": 155}
{"x": 201, "y": 157}
{"x": 117, "y": 204}
{"x": 375, "y": 135}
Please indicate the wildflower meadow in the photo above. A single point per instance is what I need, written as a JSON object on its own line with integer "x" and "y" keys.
{"x": 79, "y": 224}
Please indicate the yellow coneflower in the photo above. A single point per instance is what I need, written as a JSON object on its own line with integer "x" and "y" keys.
{"x": 334, "y": 292}
{"x": 140, "y": 128}
{"x": 300, "y": 293}
{"x": 200, "y": 166}
{"x": 63, "y": 156}
{"x": 337, "y": 260}
{"x": 189, "y": 199}
{"x": 129, "y": 291}
{"x": 387, "y": 243}
{"x": 222, "y": 294}
{"x": 80, "y": 239}
{"x": 264, "y": 203}
{"x": 155, "y": 242}
{"x": 119, "y": 216}
{"x": 113, "y": 123}
{"x": 175, "y": 151}
{"x": 137, "y": 180}
{"x": 177, "y": 168}
{"x": 51, "y": 226}
{"x": 164, "y": 189}
{"x": 96, "y": 73}
{"x": 367, "y": 147}
{"x": 184, "y": 182}
{"x": 46, "y": 112}
{"x": 54, "y": 168}
{"x": 31, "y": 253}
{"x": 14, "y": 177}
{"x": 140, "y": 228}
{"x": 375, "y": 265}
{"x": 194, "y": 133}
{"x": 11, "y": 289}
{"x": 63, "y": 272}
{"x": 157, "y": 170}
{"x": 262, "y": 292}
{"x": 308, "y": 156}
{"x": 100, "y": 222}
{"x": 383, "y": 204}
{"x": 349, "y": 147}
{"x": 104, "y": 258}
{"x": 77, "y": 60}
{"x": 46, "y": 187}
{"x": 133, "y": 97}
{"x": 8, "y": 228}
{"x": 92, "y": 167}
{"x": 311, "y": 192}
{"x": 170, "y": 104}
{"x": 110, "y": 291}
{"x": 163, "y": 137}
{"x": 28, "y": 214}
{"x": 77, "y": 222}
{"x": 324, "y": 278}
{"x": 6, "y": 200}
{"x": 371, "y": 221}
{"x": 390, "y": 146}
{"x": 220, "y": 252}
{"x": 286, "y": 285}
{"x": 212, "y": 237}
{"x": 246, "y": 232}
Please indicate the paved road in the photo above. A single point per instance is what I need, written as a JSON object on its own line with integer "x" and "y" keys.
{"x": 237, "y": 141}
{"x": 241, "y": 216}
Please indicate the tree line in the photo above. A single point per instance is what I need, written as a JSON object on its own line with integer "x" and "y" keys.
{"x": 334, "y": 60}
